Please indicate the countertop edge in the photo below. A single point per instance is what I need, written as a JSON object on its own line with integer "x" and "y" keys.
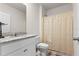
{"x": 16, "y": 38}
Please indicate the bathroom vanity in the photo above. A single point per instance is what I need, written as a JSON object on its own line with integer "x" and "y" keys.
{"x": 18, "y": 46}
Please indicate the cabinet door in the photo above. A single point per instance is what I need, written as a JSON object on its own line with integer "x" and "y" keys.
{"x": 28, "y": 50}
{"x": 19, "y": 52}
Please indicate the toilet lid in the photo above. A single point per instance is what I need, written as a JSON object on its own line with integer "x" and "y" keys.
{"x": 42, "y": 45}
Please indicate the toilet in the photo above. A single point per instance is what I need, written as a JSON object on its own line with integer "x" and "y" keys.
{"x": 42, "y": 49}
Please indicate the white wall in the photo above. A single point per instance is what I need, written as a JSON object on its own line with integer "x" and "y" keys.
{"x": 60, "y": 9}
{"x": 17, "y": 18}
{"x": 76, "y": 20}
{"x": 76, "y": 48}
{"x": 76, "y": 28}
{"x": 33, "y": 18}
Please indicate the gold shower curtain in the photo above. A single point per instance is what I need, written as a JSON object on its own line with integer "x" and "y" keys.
{"x": 57, "y": 32}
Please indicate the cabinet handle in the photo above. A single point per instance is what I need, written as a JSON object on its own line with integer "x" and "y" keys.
{"x": 25, "y": 50}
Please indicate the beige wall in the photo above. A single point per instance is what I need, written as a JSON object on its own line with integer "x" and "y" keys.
{"x": 17, "y": 18}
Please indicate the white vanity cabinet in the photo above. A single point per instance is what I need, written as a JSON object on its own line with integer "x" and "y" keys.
{"x": 25, "y": 51}
{"x": 23, "y": 47}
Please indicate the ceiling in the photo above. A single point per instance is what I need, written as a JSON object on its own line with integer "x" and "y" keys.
{"x": 52, "y": 5}
{"x": 19, "y": 6}
{"x": 46, "y": 6}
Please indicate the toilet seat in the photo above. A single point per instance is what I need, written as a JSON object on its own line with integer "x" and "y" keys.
{"x": 42, "y": 45}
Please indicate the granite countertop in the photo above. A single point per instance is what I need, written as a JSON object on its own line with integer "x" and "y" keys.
{"x": 12, "y": 38}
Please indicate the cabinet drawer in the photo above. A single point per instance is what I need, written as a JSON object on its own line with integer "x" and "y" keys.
{"x": 10, "y": 47}
{"x": 28, "y": 50}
